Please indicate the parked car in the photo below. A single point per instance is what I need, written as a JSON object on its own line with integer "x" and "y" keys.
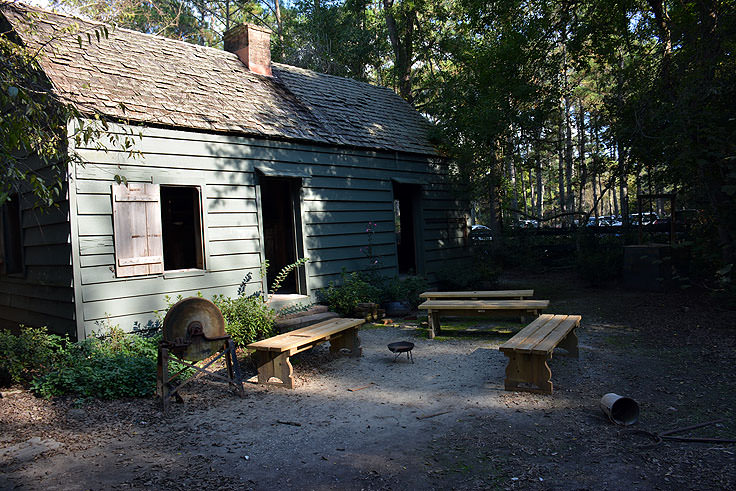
{"x": 601, "y": 222}
{"x": 646, "y": 218}
{"x": 480, "y": 234}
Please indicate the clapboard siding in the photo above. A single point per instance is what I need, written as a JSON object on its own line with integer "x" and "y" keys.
{"x": 42, "y": 295}
{"x": 344, "y": 190}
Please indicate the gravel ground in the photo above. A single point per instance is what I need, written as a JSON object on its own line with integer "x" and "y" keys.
{"x": 444, "y": 422}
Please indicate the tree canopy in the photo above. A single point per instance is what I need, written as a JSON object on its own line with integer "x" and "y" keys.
{"x": 551, "y": 110}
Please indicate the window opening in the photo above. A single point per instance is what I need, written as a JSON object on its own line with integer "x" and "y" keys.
{"x": 181, "y": 227}
{"x": 12, "y": 236}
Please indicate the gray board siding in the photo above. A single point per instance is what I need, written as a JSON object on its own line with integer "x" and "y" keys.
{"x": 42, "y": 294}
{"x": 344, "y": 190}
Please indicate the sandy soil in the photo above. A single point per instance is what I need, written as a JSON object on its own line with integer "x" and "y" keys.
{"x": 444, "y": 422}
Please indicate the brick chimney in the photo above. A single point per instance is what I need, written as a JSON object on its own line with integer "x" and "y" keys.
{"x": 252, "y": 44}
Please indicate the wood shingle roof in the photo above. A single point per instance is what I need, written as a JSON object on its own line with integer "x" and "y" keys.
{"x": 159, "y": 81}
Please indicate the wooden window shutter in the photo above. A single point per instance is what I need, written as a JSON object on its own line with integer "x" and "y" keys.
{"x": 136, "y": 211}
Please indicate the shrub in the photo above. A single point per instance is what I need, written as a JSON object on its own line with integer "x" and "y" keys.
{"x": 29, "y": 353}
{"x": 247, "y": 319}
{"x": 108, "y": 366}
{"x": 345, "y": 297}
{"x": 404, "y": 290}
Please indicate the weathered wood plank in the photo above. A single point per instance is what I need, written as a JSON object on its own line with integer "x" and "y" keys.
{"x": 237, "y": 246}
{"x": 231, "y": 206}
{"x": 57, "y": 233}
{"x": 232, "y": 220}
{"x": 48, "y": 255}
{"x": 113, "y": 289}
{"x": 94, "y": 204}
{"x": 484, "y": 304}
{"x": 90, "y": 225}
{"x": 358, "y": 217}
{"x": 232, "y": 233}
{"x": 102, "y": 244}
{"x": 478, "y": 294}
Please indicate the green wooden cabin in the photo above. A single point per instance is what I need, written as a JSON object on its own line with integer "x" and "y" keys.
{"x": 235, "y": 160}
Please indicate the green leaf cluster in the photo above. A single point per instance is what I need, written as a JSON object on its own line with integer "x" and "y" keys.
{"x": 247, "y": 318}
{"x": 27, "y": 354}
{"x": 353, "y": 288}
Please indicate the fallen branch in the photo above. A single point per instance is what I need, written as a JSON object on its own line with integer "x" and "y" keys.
{"x": 361, "y": 388}
{"x": 432, "y": 415}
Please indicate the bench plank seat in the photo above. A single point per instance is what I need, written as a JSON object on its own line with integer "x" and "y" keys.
{"x": 530, "y": 349}
{"x": 272, "y": 354}
{"x": 435, "y": 308}
{"x": 519, "y": 294}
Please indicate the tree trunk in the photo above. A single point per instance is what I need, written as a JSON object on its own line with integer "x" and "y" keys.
{"x": 583, "y": 171}
{"x": 401, "y": 35}
{"x": 279, "y": 27}
{"x": 511, "y": 173}
{"x": 561, "y": 163}
{"x": 623, "y": 185}
{"x": 540, "y": 186}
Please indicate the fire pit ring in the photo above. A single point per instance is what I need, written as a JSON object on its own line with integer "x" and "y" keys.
{"x": 402, "y": 347}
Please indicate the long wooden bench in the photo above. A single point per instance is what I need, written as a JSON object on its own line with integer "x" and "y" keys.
{"x": 272, "y": 354}
{"x": 478, "y": 294}
{"x": 530, "y": 349}
{"x": 436, "y": 308}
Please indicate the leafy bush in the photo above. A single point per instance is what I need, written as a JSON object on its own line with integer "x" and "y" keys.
{"x": 27, "y": 354}
{"x": 405, "y": 290}
{"x": 353, "y": 289}
{"x": 247, "y": 319}
{"x": 110, "y": 366}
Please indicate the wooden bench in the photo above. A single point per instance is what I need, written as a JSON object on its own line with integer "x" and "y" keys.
{"x": 435, "y": 308}
{"x": 476, "y": 295}
{"x": 529, "y": 350}
{"x": 272, "y": 354}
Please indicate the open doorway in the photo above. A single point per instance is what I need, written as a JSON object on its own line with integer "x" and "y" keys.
{"x": 279, "y": 207}
{"x": 406, "y": 213}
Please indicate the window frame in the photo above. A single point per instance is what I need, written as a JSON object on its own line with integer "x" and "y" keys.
{"x": 204, "y": 235}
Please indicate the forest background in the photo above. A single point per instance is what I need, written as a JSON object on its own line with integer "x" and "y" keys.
{"x": 552, "y": 110}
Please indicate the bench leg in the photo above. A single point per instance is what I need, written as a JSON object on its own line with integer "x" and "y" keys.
{"x": 277, "y": 365}
{"x": 433, "y": 320}
{"x": 570, "y": 344}
{"x": 528, "y": 369}
{"x": 348, "y": 339}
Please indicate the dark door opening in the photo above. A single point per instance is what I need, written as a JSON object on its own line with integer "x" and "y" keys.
{"x": 181, "y": 227}
{"x": 279, "y": 233}
{"x": 406, "y": 197}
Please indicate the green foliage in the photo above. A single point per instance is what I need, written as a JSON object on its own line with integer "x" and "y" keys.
{"x": 28, "y": 354}
{"x": 284, "y": 273}
{"x": 34, "y": 127}
{"x": 247, "y": 319}
{"x": 345, "y": 296}
{"x": 108, "y": 366}
{"x": 405, "y": 290}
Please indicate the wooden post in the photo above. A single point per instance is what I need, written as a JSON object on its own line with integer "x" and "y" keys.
{"x": 162, "y": 379}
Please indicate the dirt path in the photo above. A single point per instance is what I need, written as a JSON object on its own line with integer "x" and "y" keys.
{"x": 672, "y": 353}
